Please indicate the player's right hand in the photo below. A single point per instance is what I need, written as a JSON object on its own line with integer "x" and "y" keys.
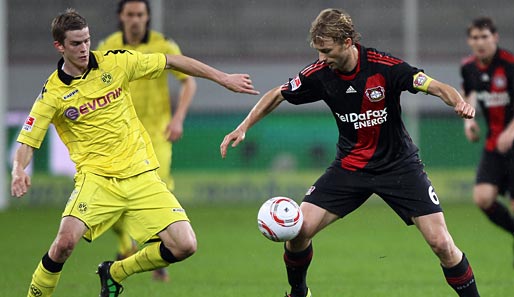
{"x": 235, "y": 136}
{"x": 471, "y": 130}
{"x": 20, "y": 183}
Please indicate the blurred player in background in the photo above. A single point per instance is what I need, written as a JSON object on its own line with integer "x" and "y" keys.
{"x": 153, "y": 104}
{"x": 362, "y": 87}
{"x": 488, "y": 80}
{"x": 89, "y": 102}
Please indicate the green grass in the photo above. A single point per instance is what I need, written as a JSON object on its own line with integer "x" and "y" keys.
{"x": 368, "y": 253}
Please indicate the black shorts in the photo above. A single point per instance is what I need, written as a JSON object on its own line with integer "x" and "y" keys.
{"x": 407, "y": 190}
{"x": 497, "y": 169}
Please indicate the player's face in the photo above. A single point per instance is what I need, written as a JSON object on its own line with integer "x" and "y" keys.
{"x": 483, "y": 43}
{"x": 75, "y": 49}
{"x": 336, "y": 54}
{"x": 134, "y": 18}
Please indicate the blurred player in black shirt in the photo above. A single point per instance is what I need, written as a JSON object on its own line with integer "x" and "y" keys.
{"x": 375, "y": 154}
{"x": 488, "y": 76}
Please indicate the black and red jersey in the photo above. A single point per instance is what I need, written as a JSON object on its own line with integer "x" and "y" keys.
{"x": 494, "y": 89}
{"x": 366, "y": 106}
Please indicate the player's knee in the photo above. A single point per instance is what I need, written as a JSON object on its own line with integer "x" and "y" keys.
{"x": 63, "y": 247}
{"x": 183, "y": 248}
{"x": 441, "y": 244}
{"x": 482, "y": 201}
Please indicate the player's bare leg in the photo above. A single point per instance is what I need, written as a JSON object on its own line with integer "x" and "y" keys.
{"x": 48, "y": 272}
{"x": 456, "y": 268}
{"x": 298, "y": 251}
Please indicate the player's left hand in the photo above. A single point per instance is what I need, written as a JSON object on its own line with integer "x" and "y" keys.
{"x": 235, "y": 136}
{"x": 504, "y": 142}
{"x": 239, "y": 83}
{"x": 174, "y": 130}
{"x": 464, "y": 110}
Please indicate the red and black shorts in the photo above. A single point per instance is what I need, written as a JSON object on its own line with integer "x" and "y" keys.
{"x": 407, "y": 190}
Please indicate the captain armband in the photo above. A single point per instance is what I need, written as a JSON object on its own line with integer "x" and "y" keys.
{"x": 421, "y": 82}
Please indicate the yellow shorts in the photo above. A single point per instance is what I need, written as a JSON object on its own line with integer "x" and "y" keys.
{"x": 143, "y": 202}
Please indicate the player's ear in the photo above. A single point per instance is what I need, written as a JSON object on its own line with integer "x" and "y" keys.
{"x": 348, "y": 42}
{"x": 58, "y": 46}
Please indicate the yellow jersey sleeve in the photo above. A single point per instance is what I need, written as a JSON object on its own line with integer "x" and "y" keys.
{"x": 35, "y": 126}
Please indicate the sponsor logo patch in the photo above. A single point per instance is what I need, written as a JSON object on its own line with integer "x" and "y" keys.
{"x": 295, "y": 83}
{"x": 29, "y": 123}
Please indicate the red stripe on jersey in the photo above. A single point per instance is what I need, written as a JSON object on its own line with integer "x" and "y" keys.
{"x": 381, "y": 62}
{"x": 505, "y": 55}
{"x": 367, "y": 137}
{"x": 377, "y": 56}
{"x": 468, "y": 59}
{"x": 313, "y": 68}
{"x": 496, "y": 114}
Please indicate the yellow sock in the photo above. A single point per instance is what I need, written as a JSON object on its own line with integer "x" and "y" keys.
{"x": 43, "y": 282}
{"x": 146, "y": 259}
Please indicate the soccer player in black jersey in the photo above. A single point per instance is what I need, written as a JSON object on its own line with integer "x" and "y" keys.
{"x": 375, "y": 154}
{"x": 488, "y": 76}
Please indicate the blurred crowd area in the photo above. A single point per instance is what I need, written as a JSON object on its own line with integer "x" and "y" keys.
{"x": 268, "y": 39}
{"x": 264, "y": 30}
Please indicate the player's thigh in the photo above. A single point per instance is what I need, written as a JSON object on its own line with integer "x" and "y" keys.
{"x": 94, "y": 202}
{"x": 315, "y": 219}
{"x": 408, "y": 191}
{"x": 151, "y": 208}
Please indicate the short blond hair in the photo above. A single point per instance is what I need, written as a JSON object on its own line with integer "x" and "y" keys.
{"x": 332, "y": 23}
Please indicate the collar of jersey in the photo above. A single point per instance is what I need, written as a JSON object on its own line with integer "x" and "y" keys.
{"x": 145, "y": 39}
{"x": 67, "y": 79}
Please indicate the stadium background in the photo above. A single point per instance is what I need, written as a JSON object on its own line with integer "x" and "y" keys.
{"x": 267, "y": 39}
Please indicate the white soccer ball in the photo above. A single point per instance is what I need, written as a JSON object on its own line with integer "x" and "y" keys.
{"x": 280, "y": 219}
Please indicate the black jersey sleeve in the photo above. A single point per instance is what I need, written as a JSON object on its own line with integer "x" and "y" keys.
{"x": 402, "y": 76}
{"x": 467, "y": 85}
{"x": 302, "y": 89}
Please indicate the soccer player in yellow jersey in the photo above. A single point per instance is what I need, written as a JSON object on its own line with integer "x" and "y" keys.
{"x": 153, "y": 97}
{"x": 88, "y": 100}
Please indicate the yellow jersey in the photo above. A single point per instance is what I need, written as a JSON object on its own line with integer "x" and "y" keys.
{"x": 94, "y": 115}
{"x": 151, "y": 97}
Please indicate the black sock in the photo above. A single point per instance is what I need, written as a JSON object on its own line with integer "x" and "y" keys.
{"x": 296, "y": 266}
{"x": 460, "y": 277}
{"x": 500, "y": 215}
{"x": 50, "y": 265}
{"x": 167, "y": 255}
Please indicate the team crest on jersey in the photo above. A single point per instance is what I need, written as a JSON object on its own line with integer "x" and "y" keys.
{"x": 295, "y": 83}
{"x": 29, "y": 123}
{"x": 107, "y": 78}
{"x": 375, "y": 94}
{"x": 82, "y": 207}
{"x": 500, "y": 82}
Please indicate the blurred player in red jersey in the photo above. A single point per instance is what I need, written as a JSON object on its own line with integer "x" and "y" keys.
{"x": 375, "y": 154}
{"x": 488, "y": 80}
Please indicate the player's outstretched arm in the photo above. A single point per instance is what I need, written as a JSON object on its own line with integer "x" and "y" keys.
{"x": 20, "y": 180}
{"x": 264, "y": 106}
{"x": 239, "y": 83}
{"x": 451, "y": 96}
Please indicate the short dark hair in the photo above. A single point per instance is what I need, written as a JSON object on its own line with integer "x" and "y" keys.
{"x": 121, "y": 5}
{"x": 482, "y": 23}
{"x": 69, "y": 20}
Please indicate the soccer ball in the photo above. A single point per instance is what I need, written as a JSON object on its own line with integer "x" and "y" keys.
{"x": 280, "y": 219}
